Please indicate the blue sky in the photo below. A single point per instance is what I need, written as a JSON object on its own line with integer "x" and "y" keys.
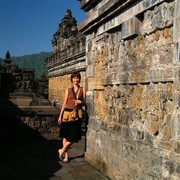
{"x": 27, "y": 26}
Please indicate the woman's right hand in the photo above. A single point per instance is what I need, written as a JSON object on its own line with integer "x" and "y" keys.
{"x": 59, "y": 120}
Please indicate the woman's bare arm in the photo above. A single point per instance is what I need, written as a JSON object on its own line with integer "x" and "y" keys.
{"x": 63, "y": 106}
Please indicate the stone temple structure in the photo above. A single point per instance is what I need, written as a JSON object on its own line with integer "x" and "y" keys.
{"x": 15, "y": 80}
{"x": 23, "y": 100}
{"x": 131, "y": 65}
{"x": 68, "y": 56}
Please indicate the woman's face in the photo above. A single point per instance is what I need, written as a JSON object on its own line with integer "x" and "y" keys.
{"x": 75, "y": 80}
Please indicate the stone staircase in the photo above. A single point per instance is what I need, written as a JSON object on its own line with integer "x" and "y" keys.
{"x": 35, "y": 112}
{"x": 40, "y": 105}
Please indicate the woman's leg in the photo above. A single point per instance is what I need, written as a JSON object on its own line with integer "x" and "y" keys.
{"x": 66, "y": 144}
{"x": 66, "y": 151}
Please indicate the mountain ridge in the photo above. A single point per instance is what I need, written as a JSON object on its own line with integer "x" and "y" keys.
{"x": 35, "y": 61}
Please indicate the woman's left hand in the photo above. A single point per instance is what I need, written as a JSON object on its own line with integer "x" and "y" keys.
{"x": 77, "y": 102}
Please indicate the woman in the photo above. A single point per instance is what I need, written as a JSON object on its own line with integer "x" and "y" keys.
{"x": 71, "y": 131}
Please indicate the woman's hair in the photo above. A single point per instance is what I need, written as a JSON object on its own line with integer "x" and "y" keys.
{"x": 75, "y": 74}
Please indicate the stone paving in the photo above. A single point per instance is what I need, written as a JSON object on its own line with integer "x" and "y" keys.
{"x": 25, "y": 155}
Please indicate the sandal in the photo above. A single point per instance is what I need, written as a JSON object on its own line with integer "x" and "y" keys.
{"x": 60, "y": 155}
{"x": 65, "y": 160}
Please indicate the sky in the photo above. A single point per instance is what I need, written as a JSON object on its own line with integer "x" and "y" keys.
{"x": 27, "y": 26}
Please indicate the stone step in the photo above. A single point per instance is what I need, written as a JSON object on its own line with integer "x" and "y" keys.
{"x": 21, "y": 105}
{"x": 24, "y": 109}
{"x": 25, "y": 101}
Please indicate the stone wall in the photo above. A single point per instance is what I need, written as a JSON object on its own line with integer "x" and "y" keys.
{"x": 45, "y": 124}
{"x": 133, "y": 80}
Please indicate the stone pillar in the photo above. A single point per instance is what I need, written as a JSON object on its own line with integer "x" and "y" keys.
{"x": 176, "y": 60}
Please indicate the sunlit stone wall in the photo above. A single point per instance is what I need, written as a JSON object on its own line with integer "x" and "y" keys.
{"x": 133, "y": 82}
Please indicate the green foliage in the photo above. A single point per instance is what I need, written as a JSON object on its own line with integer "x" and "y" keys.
{"x": 41, "y": 74}
{"x": 35, "y": 61}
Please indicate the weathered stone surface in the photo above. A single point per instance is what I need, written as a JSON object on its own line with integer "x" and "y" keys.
{"x": 133, "y": 51}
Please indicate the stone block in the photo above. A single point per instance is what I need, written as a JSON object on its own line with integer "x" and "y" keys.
{"x": 130, "y": 28}
{"x": 176, "y": 35}
{"x": 176, "y": 52}
{"x": 90, "y": 83}
{"x": 90, "y": 70}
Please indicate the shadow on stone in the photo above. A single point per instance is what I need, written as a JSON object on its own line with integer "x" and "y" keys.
{"x": 75, "y": 157}
{"x": 24, "y": 153}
